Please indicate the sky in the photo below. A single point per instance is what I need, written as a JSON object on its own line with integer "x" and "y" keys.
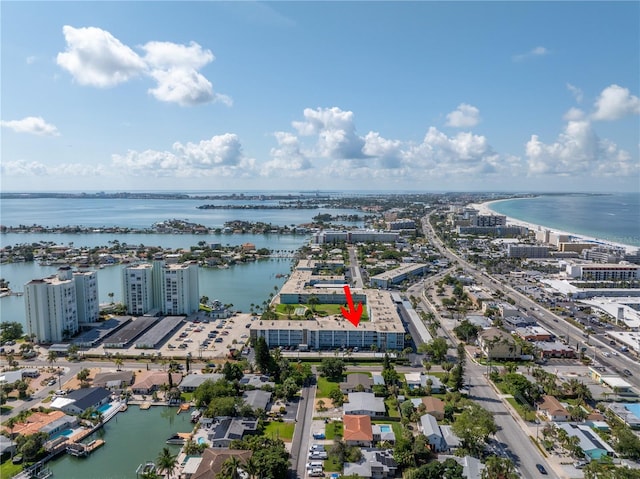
{"x": 401, "y": 96}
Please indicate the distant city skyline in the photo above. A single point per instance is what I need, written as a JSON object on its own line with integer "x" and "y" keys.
{"x": 419, "y": 96}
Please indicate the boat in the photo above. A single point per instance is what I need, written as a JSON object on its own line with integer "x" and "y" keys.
{"x": 179, "y": 438}
{"x": 146, "y": 468}
{"x": 123, "y": 407}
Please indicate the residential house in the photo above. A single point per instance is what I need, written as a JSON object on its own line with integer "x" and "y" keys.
{"x": 498, "y": 344}
{"x": 191, "y": 382}
{"x": 257, "y": 399}
{"x": 590, "y": 443}
{"x": 375, "y": 464}
{"x": 364, "y": 403}
{"x": 471, "y": 467}
{"x": 227, "y": 429}
{"x": 357, "y": 382}
{"x": 114, "y": 379}
{"x": 417, "y": 380}
{"x": 383, "y": 432}
{"x": 433, "y": 406}
{"x": 430, "y": 429}
{"x": 7, "y": 446}
{"x": 257, "y": 381}
{"x": 553, "y": 410}
{"x": 210, "y": 465}
{"x": 78, "y": 401}
{"x": 357, "y": 430}
{"x": 150, "y": 381}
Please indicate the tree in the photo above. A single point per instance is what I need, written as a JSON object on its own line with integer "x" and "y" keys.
{"x": 251, "y": 467}
{"x": 232, "y": 371}
{"x": 332, "y": 368}
{"x": 313, "y": 301}
{"x": 499, "y": 468}
{"x": 336, "y": 396}
{"x": 52, "y": 357}
{"x": 473, "y": 426}
{"x": 264, "y": 361}
{"x": 626, "y": 443}
{"x": 437, "y": 349}
{"x": 231, "y": 468}
{"x": 466, "y": 331}
{"x": 118, "y": 362}
{"x": 166, "y": 462}
{"x": 83, "y": 375}
{"x": 10, "y": 330}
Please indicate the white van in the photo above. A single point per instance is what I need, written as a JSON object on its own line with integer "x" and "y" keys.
{"x": 316, "y": 473}
{"x": 315, "y": 465}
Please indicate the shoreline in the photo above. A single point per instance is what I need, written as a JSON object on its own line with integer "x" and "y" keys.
{"x": 485, "y": 209}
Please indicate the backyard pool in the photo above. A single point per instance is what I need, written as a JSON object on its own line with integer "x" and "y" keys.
{"x": 201, "y": 440}
{"x": 634, "y": 408}
{"x": 385, "y": 428}
{"x": 66, "y": 432}
{"x": 104, "y": 408}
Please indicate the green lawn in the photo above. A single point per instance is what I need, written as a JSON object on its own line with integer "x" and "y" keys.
{"x": 395, "y": 426}
{"x": 525, "y": 414}
{"x": 280, "y": 430}
{"x": 332, "y": 464}
{"x": 325, "y": 387}
{"x": 320, "y": 310}
{"x": 391, "y": 410}
{"x": 332, "y": 429}
{"x": 8, "y": 469}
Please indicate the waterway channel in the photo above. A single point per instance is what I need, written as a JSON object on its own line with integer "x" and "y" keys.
{"x": 131, "y": 438}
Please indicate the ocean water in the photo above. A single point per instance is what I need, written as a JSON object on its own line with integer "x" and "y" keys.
{"x": 614, "y": 217}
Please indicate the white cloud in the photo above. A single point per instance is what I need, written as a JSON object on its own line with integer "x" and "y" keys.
{"x": 534, "y": 52}
{"x": 36, "y": 168}
{"x": 219, "y": 156}
{"x": 335, "y": 130}
{"x": 464, "y": 116}
{"x": 615, "y": 102}
{"x": 31, "y": 124}
{"x": 578, "y": 151}
{"x": 31, "y": 60}
{"x": 95, "y": 57}
{"x": 288, "y": 158}
{"x": 388, "y": 152}
{"x": 576, "y": 92}
{"x": 573, "y": 114}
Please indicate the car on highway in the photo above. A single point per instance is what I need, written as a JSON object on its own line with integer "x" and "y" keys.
{"x": 541, "y": 468}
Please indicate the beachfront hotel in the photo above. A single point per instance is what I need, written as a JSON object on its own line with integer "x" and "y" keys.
{"x": 383, "y": 331}
{"x": 172, "y": 289}
{"x": 56, "y": 305}
{"x": 604, "y": 272}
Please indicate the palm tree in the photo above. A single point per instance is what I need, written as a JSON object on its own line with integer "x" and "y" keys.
{"x": 118, "y": 362}
{"x": 166, "y": 462}
{"x": 52, "y": 357}
{"x": 252, "y": 468}
{"x": 230, "y": 468}
{"x": 499, "y": 468}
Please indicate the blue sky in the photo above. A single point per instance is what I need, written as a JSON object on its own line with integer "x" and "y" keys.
{"x": 473, "y": 96}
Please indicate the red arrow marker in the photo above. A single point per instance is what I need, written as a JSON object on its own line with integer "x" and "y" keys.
{"x": 353, "y": 314}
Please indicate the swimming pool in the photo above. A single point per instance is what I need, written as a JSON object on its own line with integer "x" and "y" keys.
{"x": 104, "y": 408}
{"x": 634, "y": 408}
{"x": 385, "y": 428}
{"x": 201, "y": 440}
{"x": 66, "y": 432}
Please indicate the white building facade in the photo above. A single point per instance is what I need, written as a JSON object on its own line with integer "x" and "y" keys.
{"x": 137, "y": 288}
{"x": 87, "y": 296}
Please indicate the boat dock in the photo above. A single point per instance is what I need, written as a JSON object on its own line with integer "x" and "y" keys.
{"x": 79, "y": 449}
{"x": 145, "y": 405}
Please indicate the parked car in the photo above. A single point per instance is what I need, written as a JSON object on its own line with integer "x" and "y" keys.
{"x": 541, "y": 468}
{"x": 626, "y": 372}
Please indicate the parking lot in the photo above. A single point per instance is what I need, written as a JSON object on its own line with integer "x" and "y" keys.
{"x": 199, "y": 335}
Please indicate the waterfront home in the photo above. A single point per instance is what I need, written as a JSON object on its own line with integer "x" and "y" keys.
{"x": 191, "y": 382}
{"x": 78, "y": 401}
{"x": 150, "y": 381}
{"x": 114, "y": 379}
{"x": 257, "y": 399}
{"x": 211, "y": 463}
{"x": 227, "y": 429}
{"x": 375, "y": 464}
{"x": 357, "y": 430}
{"x": 552, "y": 410}
{"x": 364, "y": 403}
{"x": 357, "y": 382}
{"x": 36, "y": 422}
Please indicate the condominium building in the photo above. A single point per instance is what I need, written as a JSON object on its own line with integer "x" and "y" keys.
{"x": 51, "y": 308}
{"x": 87, "y": 296}
{"x": 398, "y": 275}
{"x": 137, "y": 288}
{"x": 527, "y": 251}
{"x": 604, "y": 272}
{"x": 355, "y": 236}
{"x": 180, "y": 289}
{"x": 171, "y": 288}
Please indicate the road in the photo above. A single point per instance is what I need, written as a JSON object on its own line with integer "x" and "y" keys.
{"x": 356, "y": 274}
{"x": 302, "y": 433}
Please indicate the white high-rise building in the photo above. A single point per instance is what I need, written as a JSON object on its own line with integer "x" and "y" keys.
{"x": 137, "y": 288}
{"x": 51, "y": 308}
{"x": 87, "y": 296}
{"x": 181, "y": 291}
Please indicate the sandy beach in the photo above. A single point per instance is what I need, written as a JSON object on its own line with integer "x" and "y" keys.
{"x": 485, "y": 209}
